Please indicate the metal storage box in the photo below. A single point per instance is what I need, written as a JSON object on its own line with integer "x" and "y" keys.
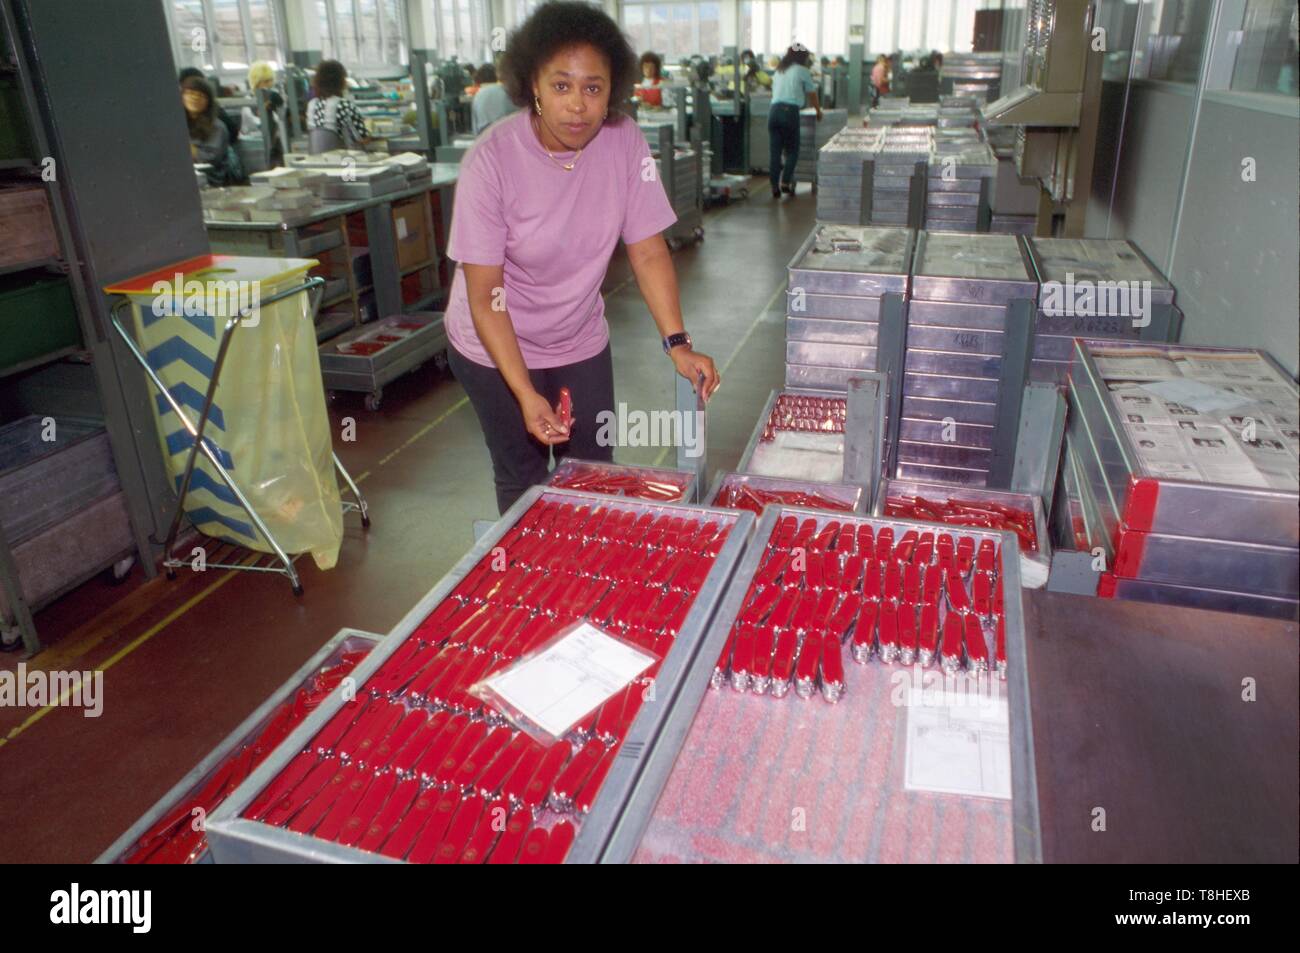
{"x": 740, "y": 763}
{"x": 1158, "y": 523}
{"x": 850, "y": 496}
{"x": 571, "y": 469}
{"x": 343, "y": 642}
{"x": 1120, "y": 281}
{"x": 682, "y": 676}
{"x": 967, "y": 359}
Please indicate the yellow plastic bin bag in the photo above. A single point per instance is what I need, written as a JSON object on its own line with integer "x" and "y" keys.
{"x": 268, "y": 425}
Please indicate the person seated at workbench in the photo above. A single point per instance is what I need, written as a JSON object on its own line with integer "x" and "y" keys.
{"x": 492, "y": 101}
{"x": 651, "y": 90}
{"x": 753, "y": 76}
{"x": 333, "y": 120}
{"x": 230, "y": 122}
{"x": 261, "y": 75}
{"x": 209, "y": 139}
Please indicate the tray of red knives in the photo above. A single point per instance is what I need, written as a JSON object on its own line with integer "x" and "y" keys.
{"x": 656, "y": 484}
{"x": 976, "y": 507}
{"x": 415, "y": 767}
{"x": 168, "y": 833}
{"x": 770, "y": 772}
{"x": 747, "y": 491}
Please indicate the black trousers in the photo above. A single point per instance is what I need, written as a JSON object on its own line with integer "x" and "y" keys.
{"x": 519, "y": 460}
{"x": 783, "y": 135}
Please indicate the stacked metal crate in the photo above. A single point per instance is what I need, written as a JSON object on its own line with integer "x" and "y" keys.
{"x": 686, "y": 180}
{"x": 977, "y": 75}
{"x": 839, "y": 175}
{"x": 956, "y": 197}
{"x": 813, "y": 135}
{"x": 1095, "y": 288}
{"x": 1191, "y": 507}
{"x": 833, "y": 305}
{"x": 901, "y": 148}
{"x": 971, "y": 307}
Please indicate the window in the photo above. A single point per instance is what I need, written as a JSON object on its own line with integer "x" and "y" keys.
{"x": 363, "y": 33}
{"x": 880, "y": 27}
{"x": 938, "y": 27}
{"x": 1266, "y": 58}
{"x": 1172, "y": 39}
{"x": 710, "y": 36}
{"x": 911, "y": 19}
{"x": 394, "y": 36}
{"x": 225, "y": 36}
{"x": 780, "y": 25}
{"x": 835, "y": 28}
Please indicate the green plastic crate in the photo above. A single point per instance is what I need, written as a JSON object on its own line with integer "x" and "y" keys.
{"x": 15, "y": 139}
{"x": 36, "y": 318}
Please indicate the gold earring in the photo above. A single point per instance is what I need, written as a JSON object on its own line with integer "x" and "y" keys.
{"x": 537, "y": 104}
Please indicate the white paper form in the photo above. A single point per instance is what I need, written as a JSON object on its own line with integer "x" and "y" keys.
{"x": 963, "y": 747}
{"x": 564, "y": 683}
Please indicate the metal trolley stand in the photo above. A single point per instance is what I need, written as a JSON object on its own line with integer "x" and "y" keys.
{"x": 281, "y": 562}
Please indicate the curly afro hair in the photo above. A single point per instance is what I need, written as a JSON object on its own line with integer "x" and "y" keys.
{"x": 558, "y": 25}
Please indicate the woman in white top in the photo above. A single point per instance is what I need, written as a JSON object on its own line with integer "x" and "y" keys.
{"x": 331, "y": 112}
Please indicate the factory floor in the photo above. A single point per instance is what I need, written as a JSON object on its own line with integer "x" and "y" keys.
{"x": 186, "y": 661}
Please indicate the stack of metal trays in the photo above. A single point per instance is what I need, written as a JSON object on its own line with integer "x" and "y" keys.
{"x": 813, "y": 135}
{"x": 895, "y": 163}
{"x": 686, "y": 182}
{"x": 839, "y": 175}
{"x": 900, "y": 111}
{"x": 1197, "y": 507}
{"x": 1094, "y": 288}
{"x": 958, "y": 111}
{"x": 1005, "y": 224}
{"x": 958, "y": 185}
{"x": 833, "y": 304}
{"x": 961, "y": 288}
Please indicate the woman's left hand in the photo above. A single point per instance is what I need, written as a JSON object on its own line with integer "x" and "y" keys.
{"x": 695, "y": 366}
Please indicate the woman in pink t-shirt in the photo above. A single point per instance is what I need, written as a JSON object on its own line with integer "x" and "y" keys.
{"x": 543, "y": 197}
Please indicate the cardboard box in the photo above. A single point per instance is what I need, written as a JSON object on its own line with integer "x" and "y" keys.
{"x": 412, "y": 235}
{"x": 26, "y": 229}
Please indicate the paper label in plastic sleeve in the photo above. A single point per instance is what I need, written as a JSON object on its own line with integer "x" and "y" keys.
{"x": 560, "y": 685}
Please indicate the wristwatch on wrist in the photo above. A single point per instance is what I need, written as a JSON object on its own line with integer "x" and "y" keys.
{"x": 676, "y": 340}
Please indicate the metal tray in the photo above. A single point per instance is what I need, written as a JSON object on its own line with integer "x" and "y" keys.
{"x": 825, "y": 354}
{"x": 1195, "y": 561}
{"x": 343, "y": 642}
{"x": 1175, "y": 507}
{"x": 1198, "y": 597}
{"x": 972, "y": 269}
{"x": 939, "y": 474}
{"x": 947, "y": 314}
{"x": 830, "y": 331}
{"x": 42, "y": 483}
{"x": 1096, "y": 260}
{"x": 939, "y": 409}
{"x": 671, "y": 474}
{"x": 932, "y": 431}
{"x": 788, "y": 730}
{"x": 852, "y": 260}
{"x": 234, "y": 839}
{"x": 942, "y": 492}
{"x": 850, "y": 494}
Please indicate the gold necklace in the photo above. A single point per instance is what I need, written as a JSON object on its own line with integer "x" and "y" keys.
{"x": 566, "y": 166}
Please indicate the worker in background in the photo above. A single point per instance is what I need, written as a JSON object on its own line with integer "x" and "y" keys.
{"x": 230, "y": 122}
{"x": 543, "y": 198}
{"x": 491, "y": 102}
{"x": 209, "y": 138}
{"x": 332, "y": 113}
{"x": 261, "y": 76}
{"x": 792, "y": 87}
{"x": 755, "y": 78}
{"x": 880, "y": 76}
{"x": 651, "y": 89}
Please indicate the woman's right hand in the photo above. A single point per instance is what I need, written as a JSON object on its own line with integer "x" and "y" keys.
{"x": 541, "y": 419}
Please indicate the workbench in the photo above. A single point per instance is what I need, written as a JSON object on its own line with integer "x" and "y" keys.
{"x": 324, "y": 229}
